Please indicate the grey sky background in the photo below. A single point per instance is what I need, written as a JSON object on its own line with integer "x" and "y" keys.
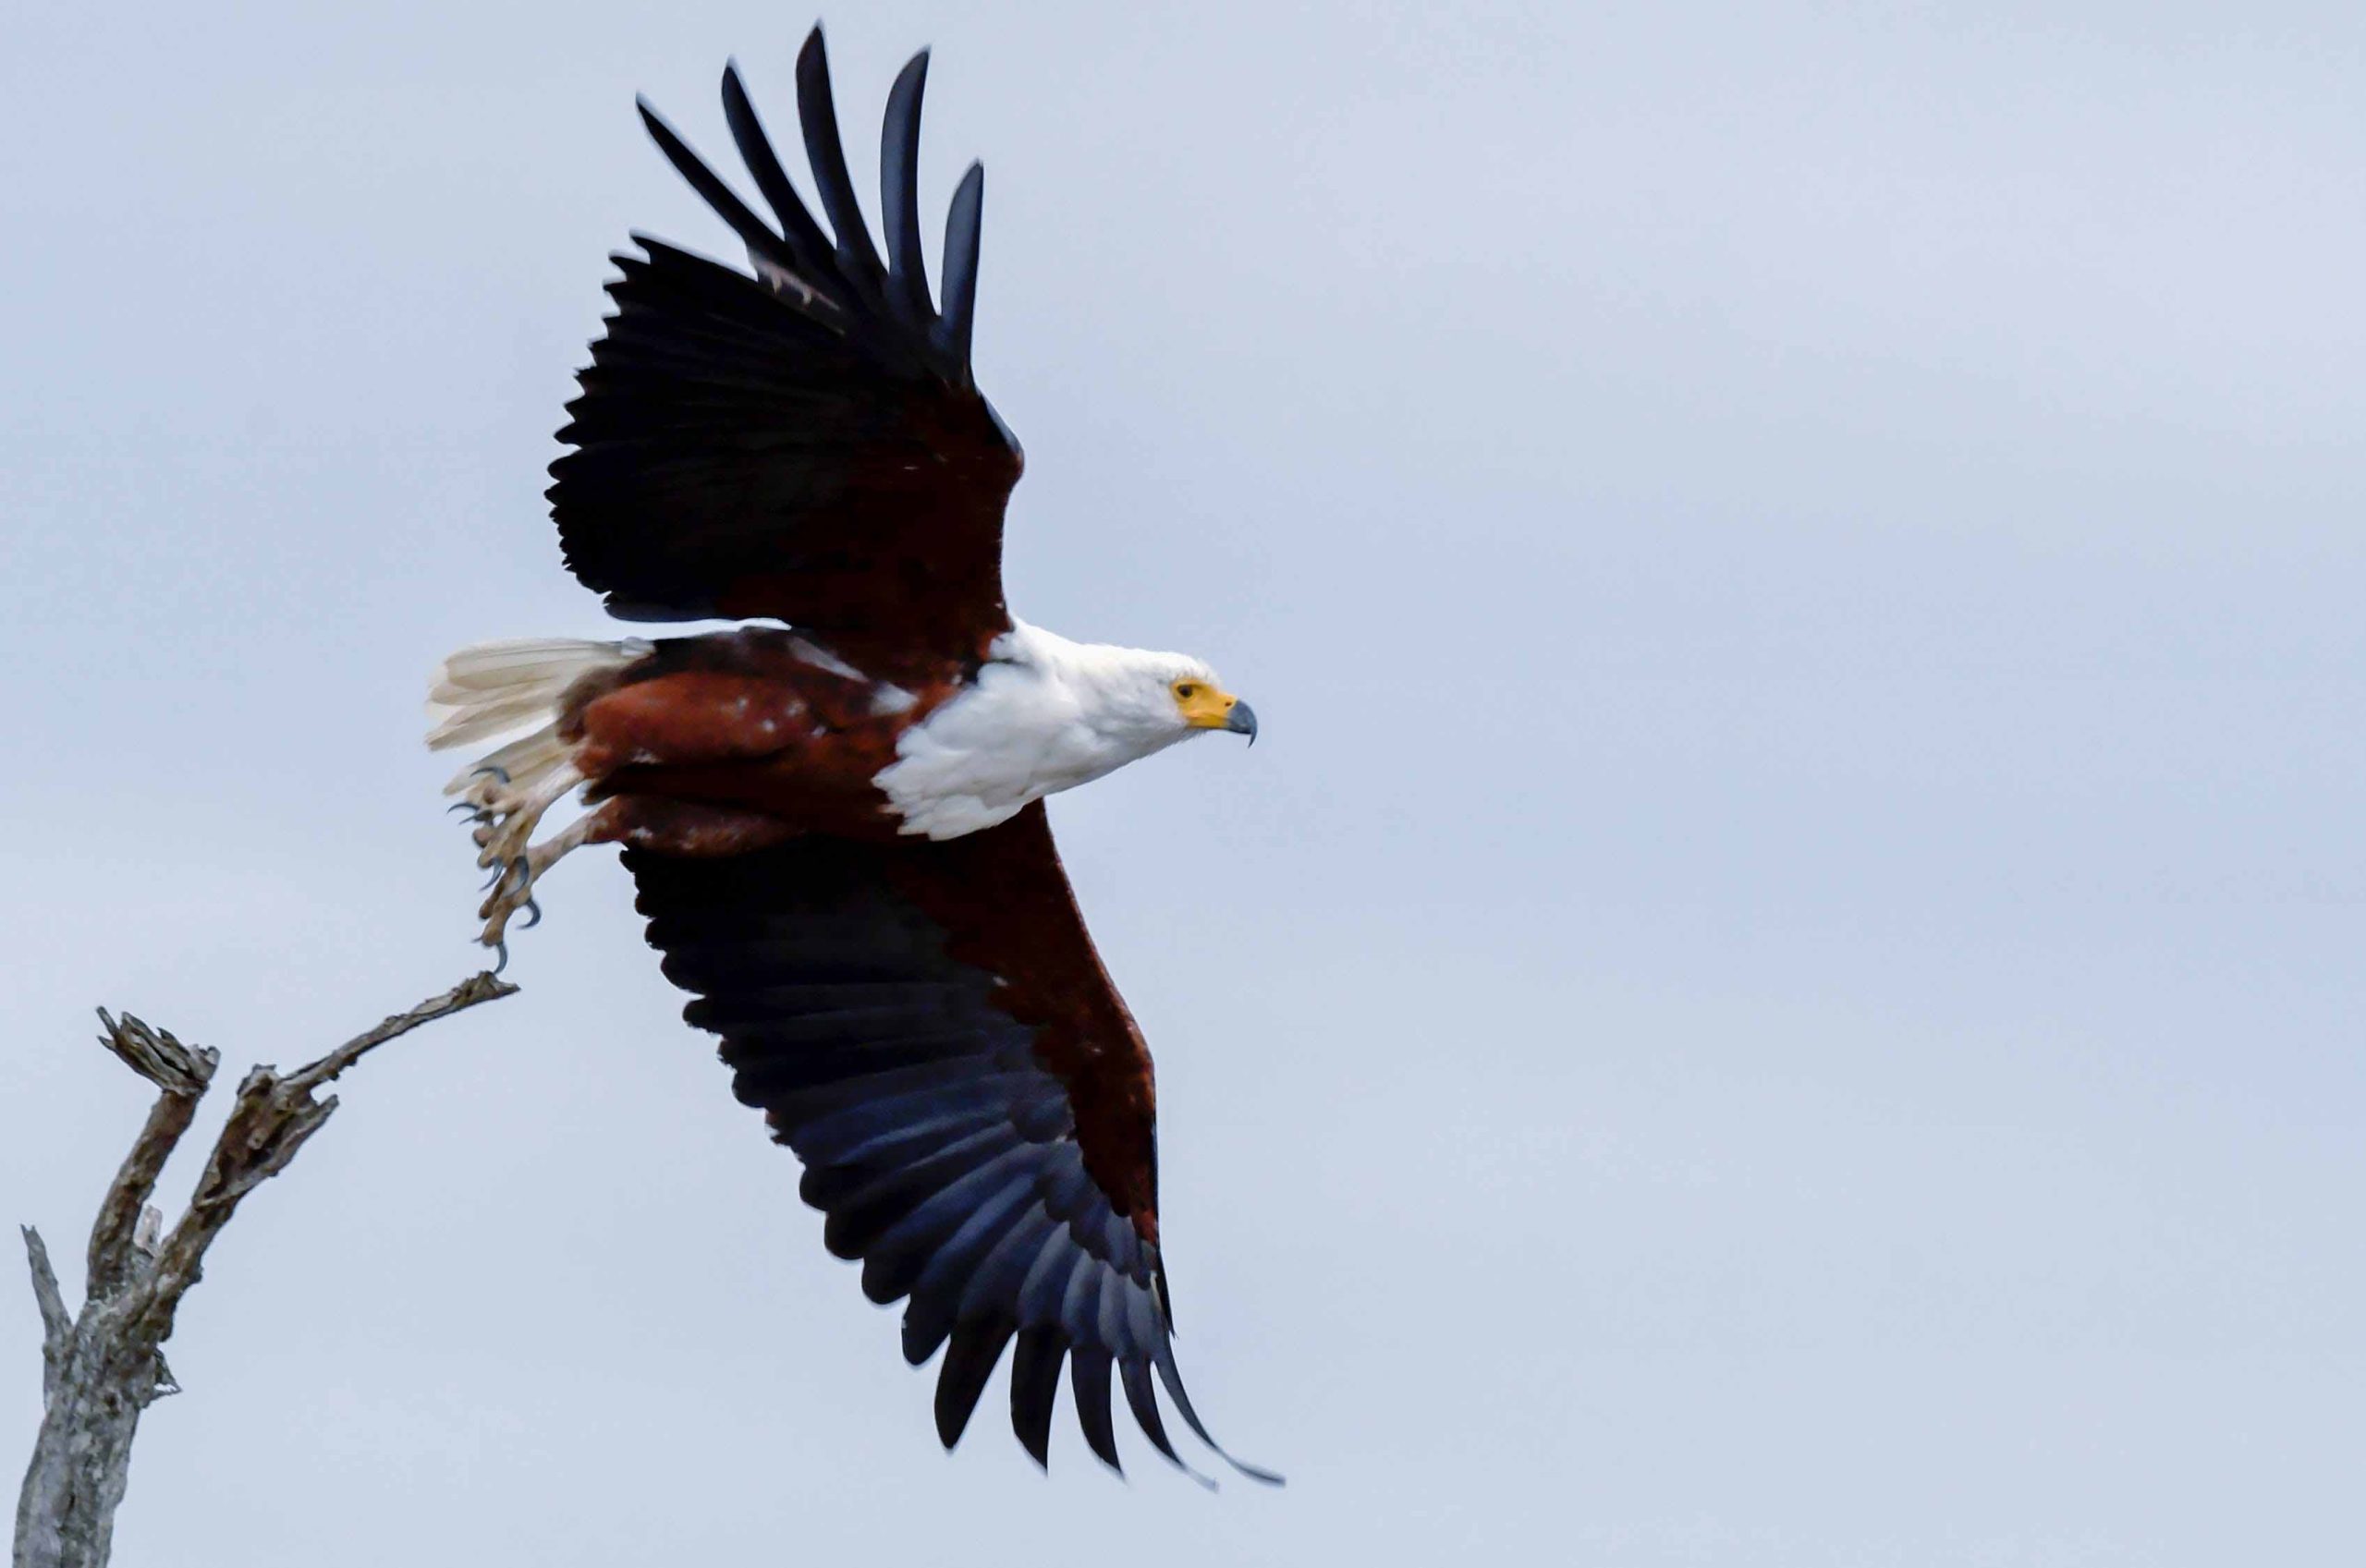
{"x": 1782, "y": 988}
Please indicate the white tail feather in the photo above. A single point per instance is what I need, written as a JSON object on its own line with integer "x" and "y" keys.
{"x": 494, "y": 688}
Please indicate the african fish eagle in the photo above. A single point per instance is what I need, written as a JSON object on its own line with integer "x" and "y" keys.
{"x": 835, "y": 821}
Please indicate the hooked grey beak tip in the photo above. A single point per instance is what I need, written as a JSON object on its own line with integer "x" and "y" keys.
{"x": 1242, "y": 720}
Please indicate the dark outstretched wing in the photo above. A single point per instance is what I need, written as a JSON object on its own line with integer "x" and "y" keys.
{"x": 927, "y": 1025}
{"x": 807, "y": 444}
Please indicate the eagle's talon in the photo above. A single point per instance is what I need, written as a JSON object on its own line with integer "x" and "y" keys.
{"x": 505, "y": 814}
{"x": 513, "y": 892}
{"x": 508, "y": 881}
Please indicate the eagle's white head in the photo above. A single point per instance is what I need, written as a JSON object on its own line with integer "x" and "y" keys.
{"x": 1046, "y": 714}
{"x": 1145, "y": 700}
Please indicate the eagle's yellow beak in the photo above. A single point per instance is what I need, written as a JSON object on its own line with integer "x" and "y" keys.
{"x": 1208, "y": 709}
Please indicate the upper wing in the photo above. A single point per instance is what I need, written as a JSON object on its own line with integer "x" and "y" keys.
{"x": 807, "y": 444}
{"x": 927, "y": 1025}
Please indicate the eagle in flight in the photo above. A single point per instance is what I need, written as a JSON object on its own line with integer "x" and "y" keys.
{"x": 836, "y": 820}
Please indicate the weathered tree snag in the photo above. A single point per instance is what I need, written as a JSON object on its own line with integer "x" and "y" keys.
{"x": 101, "y": 1368}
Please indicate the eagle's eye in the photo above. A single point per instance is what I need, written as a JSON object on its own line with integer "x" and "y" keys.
{"x": 1186, "y": 690}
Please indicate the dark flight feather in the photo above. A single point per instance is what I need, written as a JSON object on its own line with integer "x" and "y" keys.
{"x": 817, "y": 116}
{"x": 951, "y": 335}
{"x": 899, "y": 195}
{"x": 809, "y": 247}
{"x": 1034, "y": 1388}
{"x": 968, "y": 1362}
{"x": 1089, "y": 1382}
{"x": 752, "y": 230}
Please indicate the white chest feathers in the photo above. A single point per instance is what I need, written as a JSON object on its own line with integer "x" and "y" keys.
{"x": 1044, "y": 714}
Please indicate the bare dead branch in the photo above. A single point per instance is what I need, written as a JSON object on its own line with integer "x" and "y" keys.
{"x": 181, "y": 1074}
{"x": 101, "y": 1368}
{"x": 271, "y": 1118}
{"x": 484, "y": 986}
{"x": 156, "y": 1056}
{"x": 57, "y": 1323}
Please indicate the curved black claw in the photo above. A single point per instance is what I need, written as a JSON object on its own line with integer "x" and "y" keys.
{"x": 502, "y": 949}
{"x": 499, "y": 874}
{"x": 499, "y": 774}
{"x": 533, "y": 914}
{"x": 470, "y": 807}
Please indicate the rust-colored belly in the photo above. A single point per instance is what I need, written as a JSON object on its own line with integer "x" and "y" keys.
{"x": 754, "y": 721}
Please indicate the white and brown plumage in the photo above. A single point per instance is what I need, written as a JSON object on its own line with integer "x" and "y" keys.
{"x": 835, "y": 820}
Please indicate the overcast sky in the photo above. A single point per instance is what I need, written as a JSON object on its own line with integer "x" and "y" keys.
{"x": 1782, "y": 988}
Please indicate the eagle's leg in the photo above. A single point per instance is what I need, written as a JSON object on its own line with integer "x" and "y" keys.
{"x": 513, "y": 888}
{"x": 508, "y": 814}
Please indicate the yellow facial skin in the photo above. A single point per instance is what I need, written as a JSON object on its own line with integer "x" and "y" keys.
{"x": 1204, "y": 707}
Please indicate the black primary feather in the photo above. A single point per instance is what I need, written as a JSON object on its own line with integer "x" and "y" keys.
{"x": 1034, "y": 1387}
{"x": 753, "y": 231}
{"x": 899, "y": 195}
{"x": 1134, "y": 1372}
{"x": 817, "y": 114}
{"x": 951, "y": 335}
{"x": 810, "y": 247}
{"x": 968, "y": 1362}
{"x": 1088, "y": 1381}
